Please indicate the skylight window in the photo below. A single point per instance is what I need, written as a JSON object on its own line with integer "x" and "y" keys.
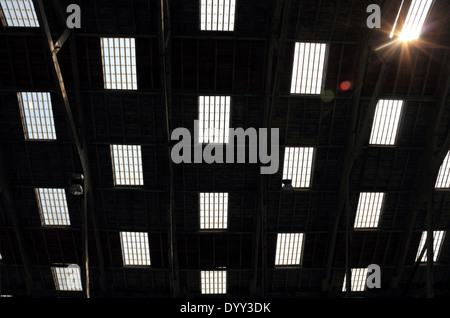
{"x": 297, "y": 166}
{"x": 217, "y": 15}
{"x": 18, "y": 13}
{"x": 443, "y": 179}
{"x": 438, "y": 239}
{"x": 415, "y": 19}
{"x": 127, "y": 165}
{"x": 289, "y": 249}
{"x": 214, "y": 282}
{"x": 67, "y": 278}
{"x": 369, "y": 209}
{"x": 214, "y": 119}
{"x": 37, "y": 115}
{"x": 309, "y": 68}
{"x": 135, "y": 248}
{"x": 119, "y": 63}
{"x": 359, "y": 278}
{"x": 53, "y": 207}
{"x": 213, "y": 211}
{"x": 385, "y": 122}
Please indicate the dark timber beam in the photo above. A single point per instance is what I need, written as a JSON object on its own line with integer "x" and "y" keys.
{"x": 79, "y": 136}
{"x": 425, "y": 179}
{"x": 275, "y": 62}
{"x": 6, "y": 197}
{"x": 164, "y": 42}
{"x": 357, "y": 136}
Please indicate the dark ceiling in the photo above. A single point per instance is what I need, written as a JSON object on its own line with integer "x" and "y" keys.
{"x": 252, "y": 65}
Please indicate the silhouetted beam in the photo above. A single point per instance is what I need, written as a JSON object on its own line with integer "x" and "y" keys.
{"x": 355, "y": 141}
{"x": 164, "y": 42}
{"x": 425, "y": 179}
{"x": 271, "y": 91}
{"x": 80, "y": 142}
{"x": 6, "y": 197}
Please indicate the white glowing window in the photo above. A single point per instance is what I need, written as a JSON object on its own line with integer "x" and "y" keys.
{"x": 119, "y": 63}
{"x": 438, "y": 239}
{"x": 443, "y": 180}
{"x": 217, "y": 15}
{"x": 67, "y": 278}
{"x": 297, "y": 166}
{"x": 214, "y": 119}
{"x": 18, "y": 13}
{"x": 369, "y": 209}
{"x": 385, "y": 122}
{"x": 214, "y": 282}
{"x": 358, "y": 281}
{"x": 127, "y": 165}
{"x": 289, "y": 249}
{"x": 213, "y": 211}
{"x": 415, "y": 19}
{"x": 53, "y": 207}
{"x": 135, "y": 248}
{"x": 37, "y": 115}
{"x": 309, "y": 68}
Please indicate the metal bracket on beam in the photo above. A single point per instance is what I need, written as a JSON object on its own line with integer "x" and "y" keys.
{"x": 62, "y": 39}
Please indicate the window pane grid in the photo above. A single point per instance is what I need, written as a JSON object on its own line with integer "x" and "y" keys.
{"x": 127, "y": 165}
{"x": 298, "y": 166}
{"x": 67, "y": 278}
{"x": 385, "y": 122}
{"x": 135, "y": 248}
{"x": 213, "y": 282}
{"x": 37, "y": 115}
{"x": 289, "y": 249}
{"x": 119, "y": 63}
{"x": 213, "y": 211}
{"x": 308, "y": 68}
{"x": 359, "y": 278}
{"x": 217, "y": 15}
{"x": 438, "y": 239}
{"x": 415, "y": 19}
{"x": 53, "y": 207}
{"x": 443, "y": 180}
{"x": 214, "y": 119}
{"x": 369, "y": 209}
{"x": 18, "y": 13}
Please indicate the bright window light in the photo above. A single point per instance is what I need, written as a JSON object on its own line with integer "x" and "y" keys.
{"x": 438, "y": 239}
{"x": 18, "y": 13}
{"x": 289, "y": 249}
{"x": 53, "y": 207}
{"x": 415, "y": 19}
{"x": 67, "y": 278}
{"x": 359, "y": 278}
{"x": 119, "y": 63}
{"x": 443, "y": 179}
{"x": 297, "y": 166}
{"x": 214, "y": 119}
{"x": 309, "y": 68}
{"x": 214, "y": 282}
{"x": 385, "y": 122}
{"x": 135, "y": 248}
{"x": 127, "y": 165}
{"x": 37, "y": 115}
{"x": 213, "y": 211}
{"x": 369, "y": 209}
{"x": 217, "y": 15}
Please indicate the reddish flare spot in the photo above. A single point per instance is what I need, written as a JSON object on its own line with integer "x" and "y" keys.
{"x": 345, "y": 86}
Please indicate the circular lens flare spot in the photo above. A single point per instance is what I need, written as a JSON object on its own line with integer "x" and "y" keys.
{"x": 345, "y": 86}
